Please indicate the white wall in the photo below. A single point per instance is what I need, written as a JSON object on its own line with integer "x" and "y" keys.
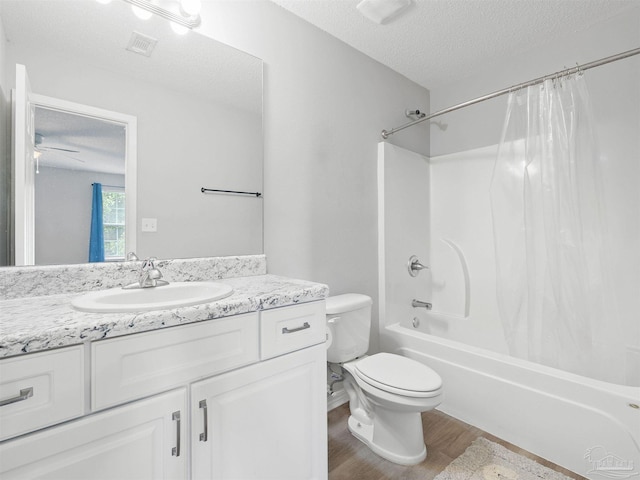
{"x": 184, "y": 143}
{"x": 325, "y": 105}
{"x": 461, "y": 166}
{"x": 63, "y": 213}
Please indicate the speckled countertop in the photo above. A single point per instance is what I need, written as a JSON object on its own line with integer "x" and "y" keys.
{"x": 36, "y": 323}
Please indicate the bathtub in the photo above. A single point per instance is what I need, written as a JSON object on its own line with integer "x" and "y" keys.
{"x": 587, "y": 426}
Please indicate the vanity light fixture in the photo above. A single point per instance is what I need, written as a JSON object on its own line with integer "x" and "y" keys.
{"x": 187, "y": 18}
{"x": 190, "y": 8}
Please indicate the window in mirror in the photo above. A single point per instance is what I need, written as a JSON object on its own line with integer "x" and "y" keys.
{"x": 113, "y": 221}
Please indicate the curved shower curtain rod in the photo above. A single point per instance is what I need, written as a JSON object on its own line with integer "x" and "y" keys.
{"x": 568, "y": 71}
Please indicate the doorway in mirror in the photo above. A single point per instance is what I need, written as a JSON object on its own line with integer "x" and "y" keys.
{"x": 62, "y": 149}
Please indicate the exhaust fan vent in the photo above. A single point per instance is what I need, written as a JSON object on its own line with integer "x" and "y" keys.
{"x": 142, "y": 44}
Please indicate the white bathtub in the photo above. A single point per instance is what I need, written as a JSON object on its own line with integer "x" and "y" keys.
{"x": 584, "y": 425}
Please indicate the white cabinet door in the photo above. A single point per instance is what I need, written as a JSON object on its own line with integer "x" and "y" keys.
{"x": 144, "y": 439}
{"x": 265, "y": 421}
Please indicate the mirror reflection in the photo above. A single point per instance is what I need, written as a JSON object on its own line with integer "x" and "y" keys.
{"x": 80, "y": 166}
{"x": 198, "y": 108}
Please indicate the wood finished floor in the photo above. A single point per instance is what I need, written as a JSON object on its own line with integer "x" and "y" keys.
{"x": 446, "y": 438}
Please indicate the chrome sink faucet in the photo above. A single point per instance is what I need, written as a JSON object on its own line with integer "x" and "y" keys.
{"x": 149, "y": 275}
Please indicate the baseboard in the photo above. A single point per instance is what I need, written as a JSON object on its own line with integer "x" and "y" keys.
{"x": 338, "y": 398}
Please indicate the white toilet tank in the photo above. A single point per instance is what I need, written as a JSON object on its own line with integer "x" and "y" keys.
{"x": 348, "y": 325}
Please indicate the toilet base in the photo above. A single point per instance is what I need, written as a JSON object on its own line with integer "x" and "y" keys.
{"x": 365, "y": 433}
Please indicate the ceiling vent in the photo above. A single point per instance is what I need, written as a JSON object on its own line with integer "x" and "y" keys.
{"x": 382, "y": 11}
{"x": 141, "y": 44}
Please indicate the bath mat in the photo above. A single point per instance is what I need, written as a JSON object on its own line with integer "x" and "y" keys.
{"x": 486, "y": 460}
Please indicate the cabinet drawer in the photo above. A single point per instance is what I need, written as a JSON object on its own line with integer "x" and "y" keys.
{"x": 46, "y": 388}
{"x": 135, "y": 366}
{"x": 287, "y": 329}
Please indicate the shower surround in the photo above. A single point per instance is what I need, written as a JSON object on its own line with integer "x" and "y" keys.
{"x": 444, "y": 217}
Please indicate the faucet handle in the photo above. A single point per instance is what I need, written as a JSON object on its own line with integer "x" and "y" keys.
{"x": 414, "y": 266}
{"x": 149, "y": 262}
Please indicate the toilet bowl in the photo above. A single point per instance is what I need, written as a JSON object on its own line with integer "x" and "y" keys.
{"x": 387, "y": 392}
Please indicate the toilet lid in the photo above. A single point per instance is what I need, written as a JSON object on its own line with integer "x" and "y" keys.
{"x": 394, "y": 372}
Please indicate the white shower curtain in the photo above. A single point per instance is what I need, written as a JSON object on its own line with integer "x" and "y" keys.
{"x": 547, "y": 209}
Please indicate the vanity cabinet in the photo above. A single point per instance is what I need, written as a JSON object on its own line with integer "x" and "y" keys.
{"x": 143, "y": 439}
{"x": 208, "y": 400}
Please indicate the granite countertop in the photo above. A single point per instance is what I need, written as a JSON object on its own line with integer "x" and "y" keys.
{"x": 39, "y": 323}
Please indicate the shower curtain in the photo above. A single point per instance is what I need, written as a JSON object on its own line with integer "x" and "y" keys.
{"x": 547, "y": 209}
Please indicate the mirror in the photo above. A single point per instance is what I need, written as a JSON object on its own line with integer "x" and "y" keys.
{"x": 198, "y": 105}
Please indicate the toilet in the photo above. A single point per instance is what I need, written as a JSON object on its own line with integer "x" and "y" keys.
{"x": 387, "y": 392}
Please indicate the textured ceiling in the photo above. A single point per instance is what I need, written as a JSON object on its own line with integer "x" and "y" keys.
{"x": 435, "y": 42}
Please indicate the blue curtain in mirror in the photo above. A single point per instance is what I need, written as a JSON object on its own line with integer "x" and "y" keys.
{"x": 96, "y": 240}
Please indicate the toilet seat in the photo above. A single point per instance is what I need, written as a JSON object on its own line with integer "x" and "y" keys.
{"x": 399, "y": 375}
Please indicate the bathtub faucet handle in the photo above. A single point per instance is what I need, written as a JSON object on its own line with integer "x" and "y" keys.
{"x": 414, "y": 266}
{"x": 420, "y": 304}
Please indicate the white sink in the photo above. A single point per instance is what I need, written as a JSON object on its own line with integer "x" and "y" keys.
{"x": 173, "y": 295}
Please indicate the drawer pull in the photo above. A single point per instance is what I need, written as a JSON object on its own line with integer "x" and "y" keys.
{"x": 175, "y": 451}
{"x": 23, "y": 395}
{"x": 304, "y": 326}
{"x": 204, "y": 435}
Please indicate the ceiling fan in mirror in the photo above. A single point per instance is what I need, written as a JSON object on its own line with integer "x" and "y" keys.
{"x": 41, "y": 148}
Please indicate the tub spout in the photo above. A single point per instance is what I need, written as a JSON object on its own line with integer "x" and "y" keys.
{"x": 420, "y": 304}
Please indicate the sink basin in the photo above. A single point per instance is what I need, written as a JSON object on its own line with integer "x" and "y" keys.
{"x": 173, "y": 295}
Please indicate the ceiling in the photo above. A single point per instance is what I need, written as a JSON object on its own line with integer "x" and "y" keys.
{"x": 436, "y": 42}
